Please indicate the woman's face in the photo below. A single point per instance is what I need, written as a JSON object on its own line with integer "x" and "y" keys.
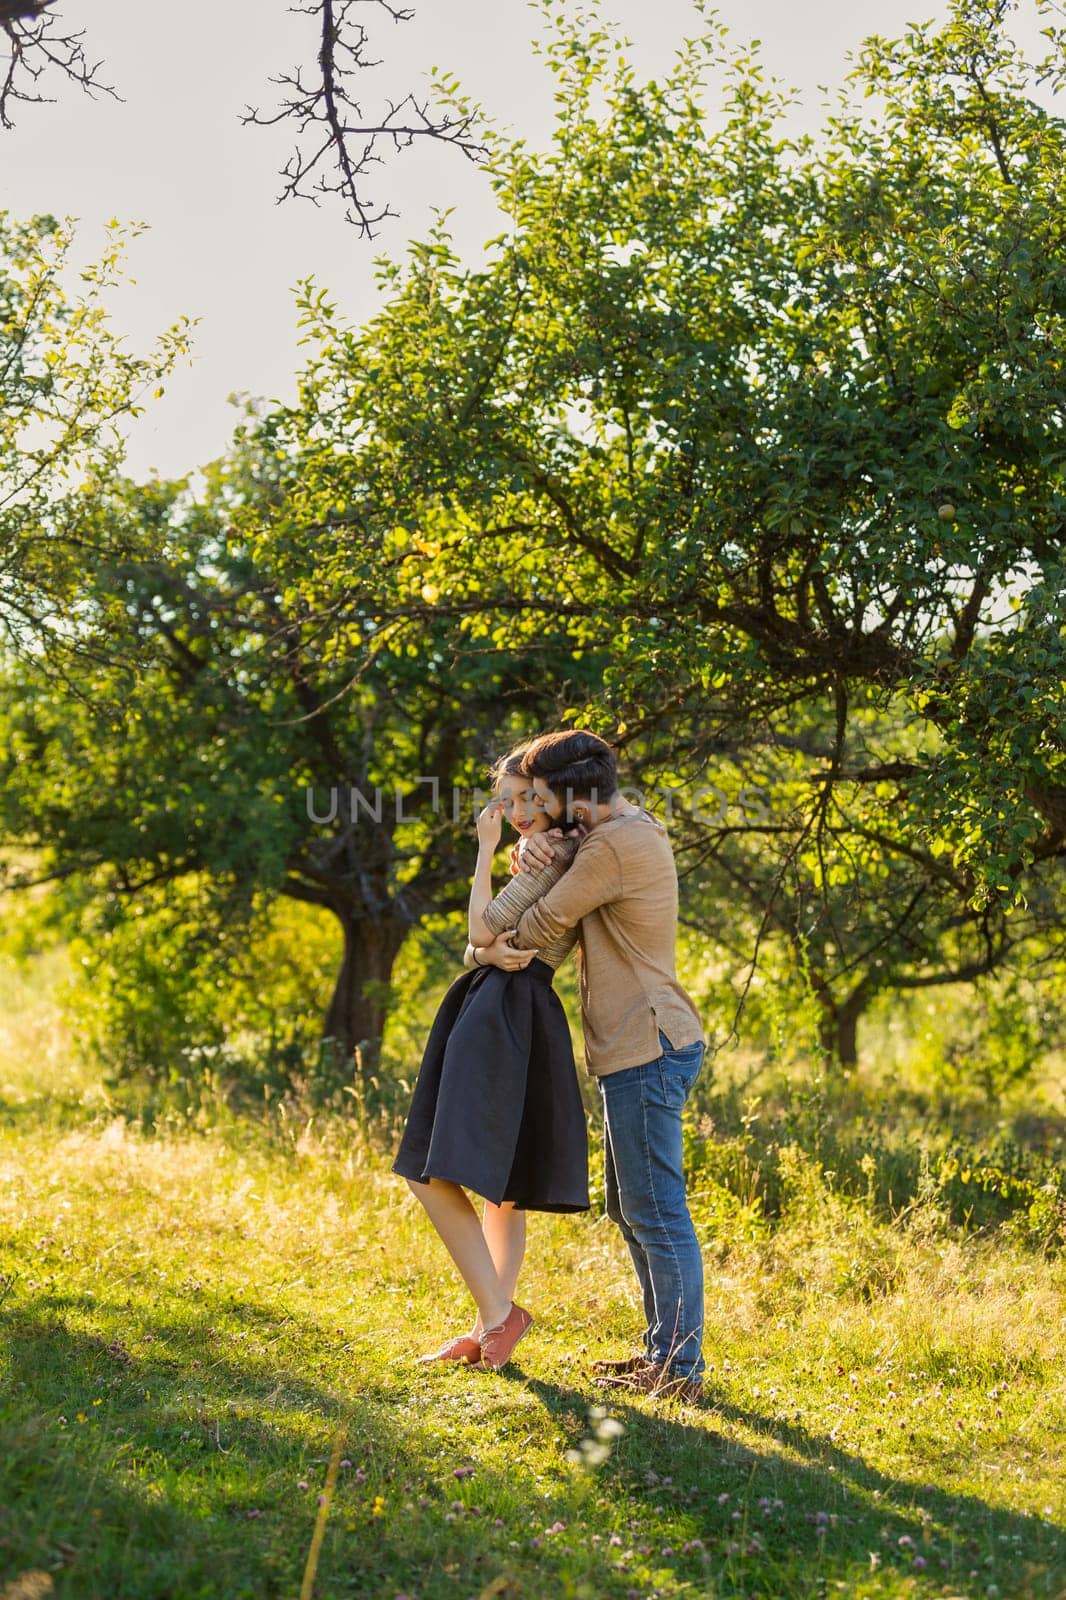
{"x": 526, "y": 809}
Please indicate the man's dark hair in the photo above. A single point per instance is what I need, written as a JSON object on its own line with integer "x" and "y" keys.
{"x": 575, "y": 764}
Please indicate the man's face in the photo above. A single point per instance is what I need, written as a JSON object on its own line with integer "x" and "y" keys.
{"x": 544, "y": 800}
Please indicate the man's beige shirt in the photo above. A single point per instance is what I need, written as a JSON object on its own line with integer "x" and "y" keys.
{"x": 622, "y": 890}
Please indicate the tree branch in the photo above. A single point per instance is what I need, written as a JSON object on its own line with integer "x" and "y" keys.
{"x": 38, "y": 46}
{"x": 335, "y": 145}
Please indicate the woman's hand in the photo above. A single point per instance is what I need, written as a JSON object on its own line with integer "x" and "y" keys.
{"x": 501, "y": 953}
{"x": 490, "y": 825}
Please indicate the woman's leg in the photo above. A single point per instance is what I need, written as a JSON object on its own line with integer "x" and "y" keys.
{"x": 459, "y": 1226}
{"x": 504, "y": 1229}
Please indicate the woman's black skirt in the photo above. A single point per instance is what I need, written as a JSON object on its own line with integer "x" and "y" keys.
{"x": 497, "y": 1107}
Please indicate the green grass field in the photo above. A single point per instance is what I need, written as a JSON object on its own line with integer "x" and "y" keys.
{"x": 196, "y": 1317}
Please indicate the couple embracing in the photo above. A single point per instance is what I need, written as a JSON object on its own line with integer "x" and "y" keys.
{"x": 497, "y": 1107}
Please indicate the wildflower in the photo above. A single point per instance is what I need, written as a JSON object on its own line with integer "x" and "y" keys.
{"x": 668, "y": 1550}
{"x": 251, "y": 1515}
{"x": 378, "y": 1508}
{"x": 303, "y": 1484}
{"x": 905, "y": 1542}
{"x": 556, "y": 1527}
{"x": 722, "y": 1499}
{"x": 347, "y": 1463}
{"x": 463, "y": 1472}
{"x": 919, "y": 1561}
{"x": 615, "y": 1539}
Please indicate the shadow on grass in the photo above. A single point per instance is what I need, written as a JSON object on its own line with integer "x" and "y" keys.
{"x": 153, "y": 1474}
{"x": 189, "y": 1429}
{"x": 819, "y": 1512}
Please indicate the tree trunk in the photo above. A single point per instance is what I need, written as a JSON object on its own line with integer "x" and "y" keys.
{"x": 847, "y": 1025}
{"x": 838, "y": 1023}
{"x": 357, "y": 1010}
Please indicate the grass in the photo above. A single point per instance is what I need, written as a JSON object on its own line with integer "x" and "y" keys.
{"x": 196, "y": 1318}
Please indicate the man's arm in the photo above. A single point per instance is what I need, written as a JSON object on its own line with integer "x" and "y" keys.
{"x": 594, "y": 879}
{"x": 520, "y": 893}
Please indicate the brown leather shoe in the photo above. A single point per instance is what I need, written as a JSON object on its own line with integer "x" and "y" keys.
{"x": 464, "y": 1348}
{"x": 656, "y": 1379}
{"x": 497, "y": 1343}
{"x": 618, "y": 1369}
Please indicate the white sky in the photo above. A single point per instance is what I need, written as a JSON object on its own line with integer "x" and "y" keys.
{"x": 175, "y": 156}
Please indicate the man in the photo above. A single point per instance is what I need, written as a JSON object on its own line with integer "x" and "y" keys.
{"x": 644, "y": 1040}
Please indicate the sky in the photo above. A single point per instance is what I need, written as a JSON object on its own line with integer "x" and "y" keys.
{"x": 174, "y": 155}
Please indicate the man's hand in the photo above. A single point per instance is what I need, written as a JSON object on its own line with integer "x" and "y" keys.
{"x": 536, "y": 851}
{"x": 501, "y": 953}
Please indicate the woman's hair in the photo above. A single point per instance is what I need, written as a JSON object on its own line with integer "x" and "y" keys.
{"x": 508, "y": 766}
{"x": 512, "y": 765}
{"x": 575, "y": 764}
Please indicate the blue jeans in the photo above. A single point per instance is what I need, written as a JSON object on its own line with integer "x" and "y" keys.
{"x": 645, "y": 1188}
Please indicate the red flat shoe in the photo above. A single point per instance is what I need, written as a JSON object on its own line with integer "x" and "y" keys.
{"x": 498, "y": 1343}
{"x": 464, "y": 1348}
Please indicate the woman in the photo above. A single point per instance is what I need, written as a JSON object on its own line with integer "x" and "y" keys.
{"x": 497, "y": 1108}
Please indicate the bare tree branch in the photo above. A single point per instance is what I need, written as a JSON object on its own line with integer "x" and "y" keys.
{"x": 336, "y": 145}
{"x": 38, "y": 45}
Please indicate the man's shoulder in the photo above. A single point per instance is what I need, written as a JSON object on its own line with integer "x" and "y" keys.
{"x": 634, "y": 833}
{"x": 596, "y": 842}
